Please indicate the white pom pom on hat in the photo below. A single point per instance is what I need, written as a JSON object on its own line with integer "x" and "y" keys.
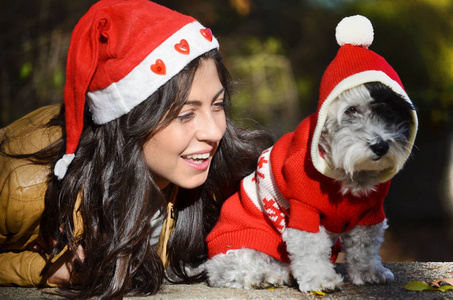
{"x": 355, "y": 30}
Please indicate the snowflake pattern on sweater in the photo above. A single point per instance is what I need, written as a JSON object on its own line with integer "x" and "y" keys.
{"x": 263, "y": 192}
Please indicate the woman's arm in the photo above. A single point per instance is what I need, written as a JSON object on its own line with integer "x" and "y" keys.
{"x": 22, "y": 268}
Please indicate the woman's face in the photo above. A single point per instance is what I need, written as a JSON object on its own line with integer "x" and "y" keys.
{"x": 181, "y": 153}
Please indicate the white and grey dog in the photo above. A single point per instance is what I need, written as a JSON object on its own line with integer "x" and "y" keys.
{"x": 367, "y": 132}
{"x": 322, "y": 183}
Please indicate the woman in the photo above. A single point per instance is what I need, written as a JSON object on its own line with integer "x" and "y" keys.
{"x": 151, "y": 144}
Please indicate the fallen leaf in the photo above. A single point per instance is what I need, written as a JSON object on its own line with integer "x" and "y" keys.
{"x": 275, "y": 287}
{"x": 317, "y": 293}
{"x": 419, "y": 286}
{"x": 445, "y": 288}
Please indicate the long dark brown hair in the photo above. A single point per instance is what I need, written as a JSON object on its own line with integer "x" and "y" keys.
{"x": 119, "y": 196}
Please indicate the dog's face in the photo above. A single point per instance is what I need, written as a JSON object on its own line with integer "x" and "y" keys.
{"x": 366, "y": 132}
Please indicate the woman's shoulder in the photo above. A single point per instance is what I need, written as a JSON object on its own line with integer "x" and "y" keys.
{"x": 24, "y": 136}
{"x": 23, "y": 183}
{"x": 30, "y": 133}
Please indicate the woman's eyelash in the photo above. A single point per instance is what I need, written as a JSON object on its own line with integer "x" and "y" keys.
{"x": 185, "y": 117}
{"x": 221, "y": 104}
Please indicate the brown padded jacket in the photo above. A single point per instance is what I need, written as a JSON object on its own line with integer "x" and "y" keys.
{"x": 22, "y": 189}
{"x": 23, "y": 185}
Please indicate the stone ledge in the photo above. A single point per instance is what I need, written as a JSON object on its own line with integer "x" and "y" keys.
{"x": 404, "y": 273}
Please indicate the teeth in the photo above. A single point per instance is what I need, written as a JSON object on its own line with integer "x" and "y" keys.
{"x": 198, "y": 156}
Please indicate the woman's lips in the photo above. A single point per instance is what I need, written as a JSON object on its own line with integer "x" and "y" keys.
{"x": 199, "y": 161}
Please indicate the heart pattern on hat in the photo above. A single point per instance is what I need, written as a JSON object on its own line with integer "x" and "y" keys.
{"x": 183, "y": 47}
{"x": 159, "y": 67}
{"x": 207, "y": 33}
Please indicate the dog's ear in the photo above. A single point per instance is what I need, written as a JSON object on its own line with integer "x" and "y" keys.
{"x": 388, "y": 105}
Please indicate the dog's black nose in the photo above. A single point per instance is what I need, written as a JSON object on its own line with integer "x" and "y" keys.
{"x": 380, "y": 148}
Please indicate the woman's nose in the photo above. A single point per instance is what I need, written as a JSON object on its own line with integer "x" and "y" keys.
{"x": 211, "y": 128}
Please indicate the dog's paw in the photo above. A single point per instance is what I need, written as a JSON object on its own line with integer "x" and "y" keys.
{"x": 248, "y": 269}
{"x": 325, "y": 282}
{"x": 269, "y": 279}
{"x": 377, "y": 275}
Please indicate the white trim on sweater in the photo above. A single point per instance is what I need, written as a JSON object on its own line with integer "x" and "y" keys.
{"x": 262, "y": 190}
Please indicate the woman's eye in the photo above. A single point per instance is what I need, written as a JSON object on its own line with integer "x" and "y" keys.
{"x": 219, "y": 105}
{"x": 185, "y": 116}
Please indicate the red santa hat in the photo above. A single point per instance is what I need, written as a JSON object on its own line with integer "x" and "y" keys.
{"x": 121, "y": 52}
{"x": 354, "y": 65}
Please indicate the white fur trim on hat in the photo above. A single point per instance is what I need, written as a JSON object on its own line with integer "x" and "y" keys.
{"x": 355, "y": 30}
{"x": 120, "y": 97}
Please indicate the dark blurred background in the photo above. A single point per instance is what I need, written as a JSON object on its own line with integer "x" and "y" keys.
{"x": 277, "y": 52}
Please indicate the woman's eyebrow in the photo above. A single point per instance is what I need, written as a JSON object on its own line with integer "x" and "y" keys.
{"x": 218, "y": 94}
{"x": 199, "y": 103}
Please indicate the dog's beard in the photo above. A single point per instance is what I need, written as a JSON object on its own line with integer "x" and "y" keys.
{"x": 360, "y": 125}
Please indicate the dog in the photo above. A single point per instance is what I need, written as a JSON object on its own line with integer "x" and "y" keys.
{"x": 366, "y": 132}
{"x": 321, "y": 188}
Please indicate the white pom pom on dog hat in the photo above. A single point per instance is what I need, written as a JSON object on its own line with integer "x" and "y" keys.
{"x": 354, "y": 63}
{"x": 355, "y": 30}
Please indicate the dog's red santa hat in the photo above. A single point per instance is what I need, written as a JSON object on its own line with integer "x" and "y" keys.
{"x": 121, "y": 52}
{"x": 355, "y": 65}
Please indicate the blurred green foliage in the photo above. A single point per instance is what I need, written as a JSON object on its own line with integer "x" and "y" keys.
{"x": 25, "y": 71}
{"x": 420, "y": 49}
{"x": 266, "y": 86}
{"x": 416, "y": 37}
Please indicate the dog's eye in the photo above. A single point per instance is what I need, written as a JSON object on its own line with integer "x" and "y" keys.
{"x": 350, "y": 111}
{"x": 383, "y": 106}
{"x": 379, "y": 104}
